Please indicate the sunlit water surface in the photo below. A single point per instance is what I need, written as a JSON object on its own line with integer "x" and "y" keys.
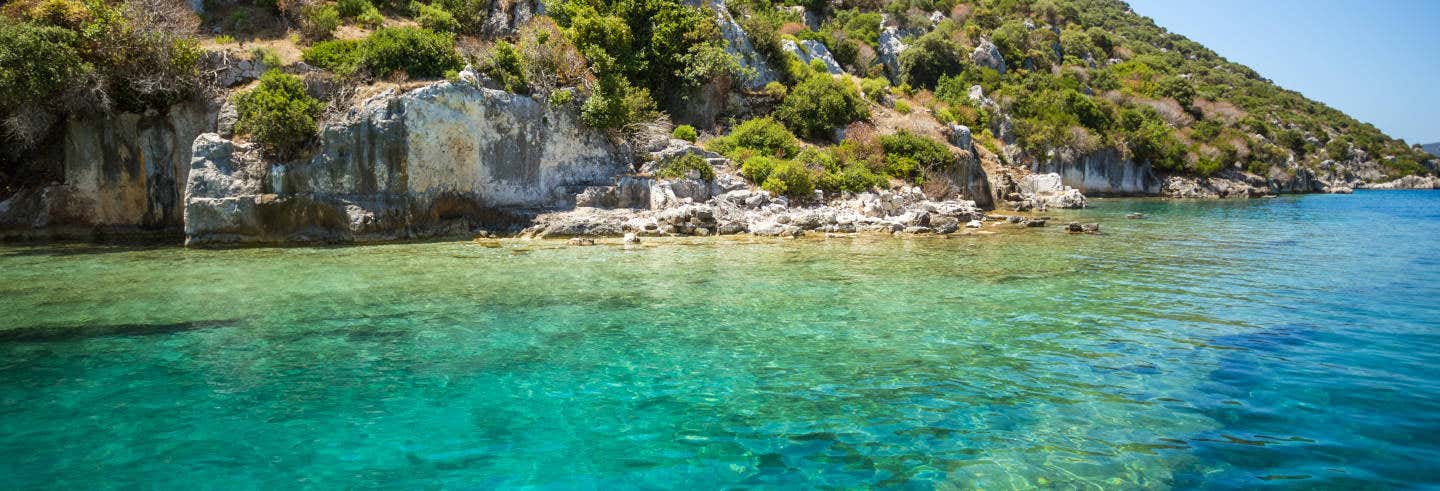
{"x": 1288, "y": 342}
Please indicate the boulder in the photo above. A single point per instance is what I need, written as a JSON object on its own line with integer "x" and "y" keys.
{"x": 737, "y": 43}
{"x": 987, "y": 55}
{"x": 889, "y": 51}
{"x": 959, "y": 135}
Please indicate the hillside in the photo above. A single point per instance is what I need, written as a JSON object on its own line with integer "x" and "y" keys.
{"x": 844, "y": 96}
{"x": 1431, "y": 148}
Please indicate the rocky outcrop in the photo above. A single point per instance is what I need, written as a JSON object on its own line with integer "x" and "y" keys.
{"x": 737, "y": 43}
{"x": 808, "y": 49}
{"x": 889, "y": 50}
{"x": 1104, "y": 172}
{"x": 123, "y": 175}
{"x": 1410, "y": 182}
{"x": 505, "y": 17}
{"x": 1044, "y": 191}
{"x": 442, "y": 159}
{"x": 988, "y": 55}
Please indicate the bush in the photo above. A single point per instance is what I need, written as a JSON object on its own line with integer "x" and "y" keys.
{"x": 319, "y": 21}
{"x": 906, "y": 153}
{"x": 876, "y": 88}
{"x": 933, "y": 56}
{"x": 789, "y": 178}
{"x": 685, "y": 132}
{"x": 353, "y": 8}
{"x": 341, "y": 56}
{"x": 421, "y": 53}
{"x": 278, "y": 113}
{"x": 507, "y": 68}
{"x": 676, "y": 168}
{"x": 776, "y": 91}
{"x": 434, "y": 18}
{"x": 763, "y": 135}
{"x": 902, "y": 107}
{"x": 819, "y": 104}
{"x": 616, "y": 104}
{"x": 34, "y": 60}
{"x": 562, "y": 97}
{"x": 266, "y": 56}
{"x": 469, "y": 15}
{"x": 854, "y": 178}
{"x": 758, "y": 168}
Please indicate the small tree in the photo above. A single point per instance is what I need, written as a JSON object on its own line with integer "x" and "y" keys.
{"x": 278, "y": 114}
{"x": 819, "y": 104}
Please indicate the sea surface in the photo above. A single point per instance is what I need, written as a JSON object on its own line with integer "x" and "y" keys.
{"x": 1271, "y": 343}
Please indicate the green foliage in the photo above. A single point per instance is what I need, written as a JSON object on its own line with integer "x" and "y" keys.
{"x": 819, "y": 104}
{"x": 764, "y": 136}
{"x": 616, "y": 104}
{"x": 875, "y": 88}
{"x": 933, "y": 56}
{"x": 34, "y": 60}
{"x": 776, "y": 90}
{"x": 902, "y": 107}
{"x": 266, "y": 56}
{"x": 341, "y": 56}
{"x": 685, "y": 132}
{"x": 676, "y": 168}
{"x": 353, "y": 8}
{"x": 319, "y": 21}
{"x": 562, "y": 97}
{"x": 758, "y": 168}
{"x": 507, "y": 67}
{"x": 789, "y": 178}
{"x": 278, "y": 113}
{"x": 907, "y": 153}
{"x": 434, "y": 18}
{"x": 421, "y": 53}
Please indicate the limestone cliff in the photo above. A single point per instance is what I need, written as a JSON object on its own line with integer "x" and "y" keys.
{"x": 440, "y": 159}
{"x": 121, "y": 174}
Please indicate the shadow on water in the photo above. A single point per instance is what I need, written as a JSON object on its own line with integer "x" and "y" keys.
{"x": 82, "y": 332}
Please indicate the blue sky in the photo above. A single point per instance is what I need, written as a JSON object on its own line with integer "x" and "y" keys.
{"x": 1378, "y": 61}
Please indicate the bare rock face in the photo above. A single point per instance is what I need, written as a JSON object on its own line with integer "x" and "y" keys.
{"x": 1410, "y": 182}
{"x": 437, "y": 160}
{"x": 737, "y": 43}
{"x": 988, "y": 55}
{"x": 889, "y": 50}
{"x": 1047, "y": 191}
{"x": 807, "y": 50}
{"x": 120, "y": 175}
{"x": 1104, "y": 172}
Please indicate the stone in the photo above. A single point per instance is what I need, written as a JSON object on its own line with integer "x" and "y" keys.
{"x": 581, "y": 241}
{"x": 443, "y": 157}
{"x": 1135, "y": 216}
{"x": 631, "y": 238}
{"x": 737, "y": 43}
{"x": 974, "y": 224}
{"x": 987, "y": 55}
{"x": 1091, "y": 228}
{"x": 1035, "y": 223}
{"x": 807, "y": 50}
{"x": 917, "y": 230}
{"x": 959, "y": 135}
{"x": 889, "y": 51}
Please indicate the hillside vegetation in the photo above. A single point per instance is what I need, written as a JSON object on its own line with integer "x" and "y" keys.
{"x": 1058, "y": 77}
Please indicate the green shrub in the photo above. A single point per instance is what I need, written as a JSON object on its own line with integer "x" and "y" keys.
{"x": 266, "y": 56}
{"x": 34, "y": 61}
{"x": 319, "y": 21}
{"x": 507, "y": 67}
{"x": 371, "y": 18}
{"x": 819, "y": 104}
{"x": 421, "y": 53}
{"x": 907, "y": 153}
{"x": 677, "y": 167}
{"x": 763, "y": 135}
{"x": 776, "y": 90}
{"x": 278, "y": 113}
{"x": 562, "y": 97}
{"x": 758, "y": 168}
{"x": 353, "y": 8}
{"x": 876, "y": 88}
{"x": 685, "y": 132}
{"x": 469, "y": 15}
{"x": 789, "y": 178}
{"x": 616, "y": 104}
{"x": 434, "y": 18}
{"x": 933, "y": 56}
{"x": 902, "y": 107}
{"x": 341, "y": 56}
{"x": 854, "y": 178}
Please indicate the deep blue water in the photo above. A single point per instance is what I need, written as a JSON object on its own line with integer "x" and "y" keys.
{"x": 1288, "y": 342}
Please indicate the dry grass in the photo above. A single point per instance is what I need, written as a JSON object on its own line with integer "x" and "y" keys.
{"x": 1220, "y": 111}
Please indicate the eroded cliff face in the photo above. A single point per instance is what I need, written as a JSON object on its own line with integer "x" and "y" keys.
{"x": 1102, "y": 173}
{"x": 123, "y": 175}
{"x": 441, "y": 159}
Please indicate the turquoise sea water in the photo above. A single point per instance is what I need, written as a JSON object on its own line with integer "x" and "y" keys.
{"x": 1290, "y": 342}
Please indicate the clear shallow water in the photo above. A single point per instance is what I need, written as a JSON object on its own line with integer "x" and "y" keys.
{"x": 1291, "y": 342}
